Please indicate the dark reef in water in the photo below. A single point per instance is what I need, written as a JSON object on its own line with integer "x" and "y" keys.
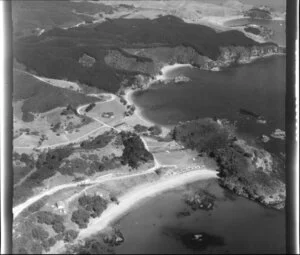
{"x": 199, "y": 241}
{"x": 201, "y": 200}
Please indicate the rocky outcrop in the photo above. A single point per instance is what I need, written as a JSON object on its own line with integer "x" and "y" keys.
{"x": 264, "y": 138}
{"x": 242, "y": 55}
{"x": 201, "y": 200}
{"x": 278, "y": 134}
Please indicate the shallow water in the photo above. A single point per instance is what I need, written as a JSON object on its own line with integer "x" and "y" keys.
{"x": 258, "y": 87}
{"x": 243, "y": 225}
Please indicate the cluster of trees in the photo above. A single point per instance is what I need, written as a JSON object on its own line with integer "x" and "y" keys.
{"x": 209, "y": 137}
{"x": 134, "y": 152}
{"x": 130, "y": 110}
{"x": 55, "y": 127}
{"x": 49, "y": 218}
{"x": 155, "y": 130}
{"x": 25, "y": 158}
{"x": 47, "y": 165}
{"x": 81, "y": 217}
{"x": 39, "y": 233}
{"x": 140, "y": 128}
{"x": 252, "y": 30}
{"x": 69, "y": 110}
{"x": 47, "y": 243}
{"x": 122, "y": 100}
{"x": 89, "y": 206}
{"x": 99, "y": 141}
{"x": 204, "y": 135}
{"x": 90, "y": 107}
{"x": 95, "y": 205}
{"x": 43, "y": 241}
{"x": 70, "y": 235}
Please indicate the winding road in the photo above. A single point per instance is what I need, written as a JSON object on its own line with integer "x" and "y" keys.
{"x": 109, "y": 177}
{"x": 130, "y": 198}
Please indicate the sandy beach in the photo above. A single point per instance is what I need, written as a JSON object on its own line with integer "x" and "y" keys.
{"x": 169, "y": 68}
{"x": 131, "y": 198}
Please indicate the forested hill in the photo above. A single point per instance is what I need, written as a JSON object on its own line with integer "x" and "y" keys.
{"x": 56, "y": 53}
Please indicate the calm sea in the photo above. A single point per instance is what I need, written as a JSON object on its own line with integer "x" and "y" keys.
{"x": 242, "y": 226}
{"x": 258, "y": 87}
{"x": 154, "y": 226}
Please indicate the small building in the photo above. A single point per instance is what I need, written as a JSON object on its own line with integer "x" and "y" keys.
{"x": 107, "y": 115}
{"x": 60, "y": 205}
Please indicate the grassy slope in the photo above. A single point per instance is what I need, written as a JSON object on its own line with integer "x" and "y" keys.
{"x": 42, "y": 97}
{"x": 31, "y": 14}
{"x": 56, "y": 52}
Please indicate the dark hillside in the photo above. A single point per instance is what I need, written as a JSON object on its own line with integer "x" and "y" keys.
{"x": 56, "y": 52}
{"x": 41, "y": 97}
{"x": 166, "y": 30}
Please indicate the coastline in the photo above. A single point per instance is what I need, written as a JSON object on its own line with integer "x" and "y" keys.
{"x": 138, "y": 111}
{"x": 132, "y": 198}
{"x": 137, "y": 194}
{"x": 128, "y": 96}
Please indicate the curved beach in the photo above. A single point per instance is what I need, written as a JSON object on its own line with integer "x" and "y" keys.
{"x": 131, "y": 198}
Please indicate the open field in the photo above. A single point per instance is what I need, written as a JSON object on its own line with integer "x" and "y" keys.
{"x": 51, "y": 125}
{"x": 32, "y": 17}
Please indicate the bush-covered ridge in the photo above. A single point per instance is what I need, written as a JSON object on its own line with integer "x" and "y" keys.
{"x": 56, "y": 53}
{"x": 248, "y": 171}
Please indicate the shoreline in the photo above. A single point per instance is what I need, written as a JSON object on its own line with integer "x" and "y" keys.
{"x": 130, "y": 200}
{"x": 138, "y": 111}
{"x": 134, "y": 196}
{"x": 128, "y": 96}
